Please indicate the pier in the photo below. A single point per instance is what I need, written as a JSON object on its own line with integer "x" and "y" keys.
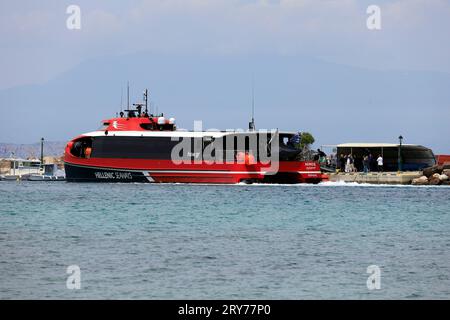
{"x": 375, "y": 177}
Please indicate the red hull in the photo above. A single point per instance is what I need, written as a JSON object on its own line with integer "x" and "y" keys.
{"x": 167, "y": 171}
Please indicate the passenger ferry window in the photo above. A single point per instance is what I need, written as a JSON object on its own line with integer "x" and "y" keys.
{"x": 82, "y": 148}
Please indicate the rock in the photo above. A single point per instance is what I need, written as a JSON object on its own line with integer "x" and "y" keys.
{"x": 420, "y": 181}
{"x": 428, "y": 172}
{"x": 443, "y": 177}
{"x": 436, "y": 175}
{"x": 434, "y": 181}
{"x": 446, "y": 183}
{"x": 446, "y": 172}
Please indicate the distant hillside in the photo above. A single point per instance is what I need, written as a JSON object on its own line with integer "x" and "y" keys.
{"x": 336, "y": 103}
{"x": 51, "y": 148}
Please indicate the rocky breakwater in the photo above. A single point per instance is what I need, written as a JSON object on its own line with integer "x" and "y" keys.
{"x": 433, "y": 176}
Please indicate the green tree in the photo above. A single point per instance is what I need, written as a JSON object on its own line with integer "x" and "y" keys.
{"x": 306, "y": 140}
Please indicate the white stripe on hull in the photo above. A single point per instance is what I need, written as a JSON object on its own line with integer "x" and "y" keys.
{"x": 148, "y": 176}
{"x": 180, "y": 134}
{"x": 148, "y": 172}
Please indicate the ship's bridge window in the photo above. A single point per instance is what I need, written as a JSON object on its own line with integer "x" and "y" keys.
{"x": 82, "y": 148}
{"x": 35, "y": 164}
{"x": 148, "y": 126}
{"x": 155, "y": 126}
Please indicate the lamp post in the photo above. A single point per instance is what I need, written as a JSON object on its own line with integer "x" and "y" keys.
{"x": 13, "y": 156}
{"x": 42, "y": 152}
{"x": 400, "y": 139}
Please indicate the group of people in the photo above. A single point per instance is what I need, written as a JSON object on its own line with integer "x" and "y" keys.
{"x": 366, "y": 163}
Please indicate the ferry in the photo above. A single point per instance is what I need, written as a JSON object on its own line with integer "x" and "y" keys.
{"x": 138, "y": 146}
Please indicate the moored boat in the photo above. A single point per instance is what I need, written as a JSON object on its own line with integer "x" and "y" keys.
{"x": 138, "y": 146}
{"x": 20, "y": 169}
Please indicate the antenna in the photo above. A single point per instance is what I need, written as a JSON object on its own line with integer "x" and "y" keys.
{"x": 121, "y": 99}
{"x": 253, "y": 101}
{"x": 145, "y": 99}
{"x": 251, "y": 125}
{"x": 128, "y": 95}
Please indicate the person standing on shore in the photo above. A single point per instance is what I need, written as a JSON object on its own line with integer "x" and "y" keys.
{"x": 366, "y": 164}
{"x": 380, "y": 163}
{"x": 349, "y": 163}
{"x": 342, "y": 163}
{"x": 352, "y": 163}
{"x": 357, "y": 163}
{"x": 370, "y": 162}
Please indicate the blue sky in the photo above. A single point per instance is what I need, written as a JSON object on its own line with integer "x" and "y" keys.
{"x": 36, "y": 47}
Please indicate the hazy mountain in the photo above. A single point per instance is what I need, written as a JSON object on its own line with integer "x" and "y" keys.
{"x": 51, "y": 148}
{"x": 334, "y": 102}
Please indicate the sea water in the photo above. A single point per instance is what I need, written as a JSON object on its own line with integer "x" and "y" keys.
{"x": 179, "y": 241}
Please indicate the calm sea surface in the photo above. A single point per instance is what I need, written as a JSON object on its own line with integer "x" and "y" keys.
{"x": 174, "y": 241}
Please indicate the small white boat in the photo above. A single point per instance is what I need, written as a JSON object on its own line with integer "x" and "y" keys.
{"x": 32, "y": 170}
{"x": 44, "y": 177}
